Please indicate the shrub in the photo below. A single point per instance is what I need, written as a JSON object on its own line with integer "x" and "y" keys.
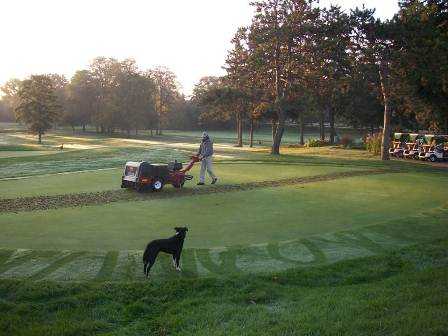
{"x": 346, "y": 141}
{"x": 316, "y": 143}
{"x": 373, "y": 143}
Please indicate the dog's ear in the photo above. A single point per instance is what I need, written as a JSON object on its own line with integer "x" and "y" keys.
{"x": 186, "y": 229}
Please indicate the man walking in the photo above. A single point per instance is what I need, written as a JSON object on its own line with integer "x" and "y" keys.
{"x": 205, "y": 154}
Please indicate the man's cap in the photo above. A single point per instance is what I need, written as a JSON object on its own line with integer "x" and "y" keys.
{"x": 204, "y": 135}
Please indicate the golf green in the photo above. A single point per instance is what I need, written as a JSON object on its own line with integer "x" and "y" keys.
{"x": 110, "y": 179}
{"x": 241, "y": 218}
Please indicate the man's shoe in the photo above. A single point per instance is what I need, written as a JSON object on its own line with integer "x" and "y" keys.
{"x": 214, "y": 180}
{"x": 201, "y": 183}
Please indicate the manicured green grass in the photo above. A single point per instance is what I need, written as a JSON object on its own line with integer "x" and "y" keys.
{"x": 318, "y": 249}
{"x": 399, "y": 293}
{"x": 359, "y": 255}
{"x": 24, "y": 153}
{"x": 236, "y": 218}
{"x": 110, "y": 179}
{"x": 263, "y": 134}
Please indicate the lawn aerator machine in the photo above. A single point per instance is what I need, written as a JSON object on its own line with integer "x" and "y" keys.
{"x": 144, "y": 176}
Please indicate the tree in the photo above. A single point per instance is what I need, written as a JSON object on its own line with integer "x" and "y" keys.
{"x": 239, "y": 92}
{"x": 422, "y": 41}
{"x": 80, "y": 99}
{"x": 274, "y": 41}
{"x": 37, "y": 107}
{"x": 10, "y": 98}
{"x": 165, "y": 95}
{"x": 103, "y": 72}
{"x": 134, "y": 97}
{"x": 372, "y": 43}
{"x": 6, "y": 113}
{"x": 330, "y": 64}
{"x": 226, "y": 102}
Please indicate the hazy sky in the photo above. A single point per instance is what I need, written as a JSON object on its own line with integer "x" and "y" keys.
{"x": 189, "y": 37}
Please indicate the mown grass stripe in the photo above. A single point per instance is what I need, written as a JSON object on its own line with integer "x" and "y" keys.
{"x": 256, "y": 258}
{"x": 357, "y": 239}
{"x": 65, "y": 259}
{"x": 188, "y": 264}
{"x": 108, "y": 267}
{"x": 35, "y": 261}
{"x": 318, "y": 255}
{"x": 167, "y": 269}
{"x": 4, "y": 256}
{"x": 8, "y": 264}
{"x": 110, "y": 196}
{"x": 227, "y": 260}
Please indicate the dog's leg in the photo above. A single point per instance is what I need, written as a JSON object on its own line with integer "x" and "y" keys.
{"x": 146, "y": 269}
{"x": 151, "y": 260}
{"x": 177, "y": 263}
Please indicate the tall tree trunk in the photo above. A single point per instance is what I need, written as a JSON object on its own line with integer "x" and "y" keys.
{"x": 302, "y": 130}
{"x": 136, "y": 131}
{"x": 322, "y": 127}
{"x": 97, "y": 129}
{"x": 73, "y": 128}
{"x": 239, "y": 131}
{"x": 274, "y": 128}
{"x": 83, "y": 128}
{"x": 240, "y": 139}
{"x": 251, "y": 143}
{"x": 278, "y": 133}
{"x": 331, "y": 119}
{"x": 39, "y": 139}
{"x": 151, "y": 133}
{"x": 384, "y": 81}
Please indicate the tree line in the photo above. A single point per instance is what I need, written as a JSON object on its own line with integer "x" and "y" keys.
{"x": 111, "y": 95}
{"x": 295, "y": 63}
{"x": 298, "y": 62}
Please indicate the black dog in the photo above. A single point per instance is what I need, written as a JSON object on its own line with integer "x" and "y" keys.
{"x": 171, "y": 245}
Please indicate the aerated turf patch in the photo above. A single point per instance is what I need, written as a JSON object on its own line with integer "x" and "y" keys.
{"x": 96, "y": 198}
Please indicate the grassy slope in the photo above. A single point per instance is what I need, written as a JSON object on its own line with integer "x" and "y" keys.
{"x": 400, "y": 293}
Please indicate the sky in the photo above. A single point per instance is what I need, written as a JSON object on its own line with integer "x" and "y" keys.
{"x": 191, "y": 38}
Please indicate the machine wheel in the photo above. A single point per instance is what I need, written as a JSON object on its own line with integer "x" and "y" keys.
{"x": 433, "y": 158}
{"x": 157, "y": 184}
